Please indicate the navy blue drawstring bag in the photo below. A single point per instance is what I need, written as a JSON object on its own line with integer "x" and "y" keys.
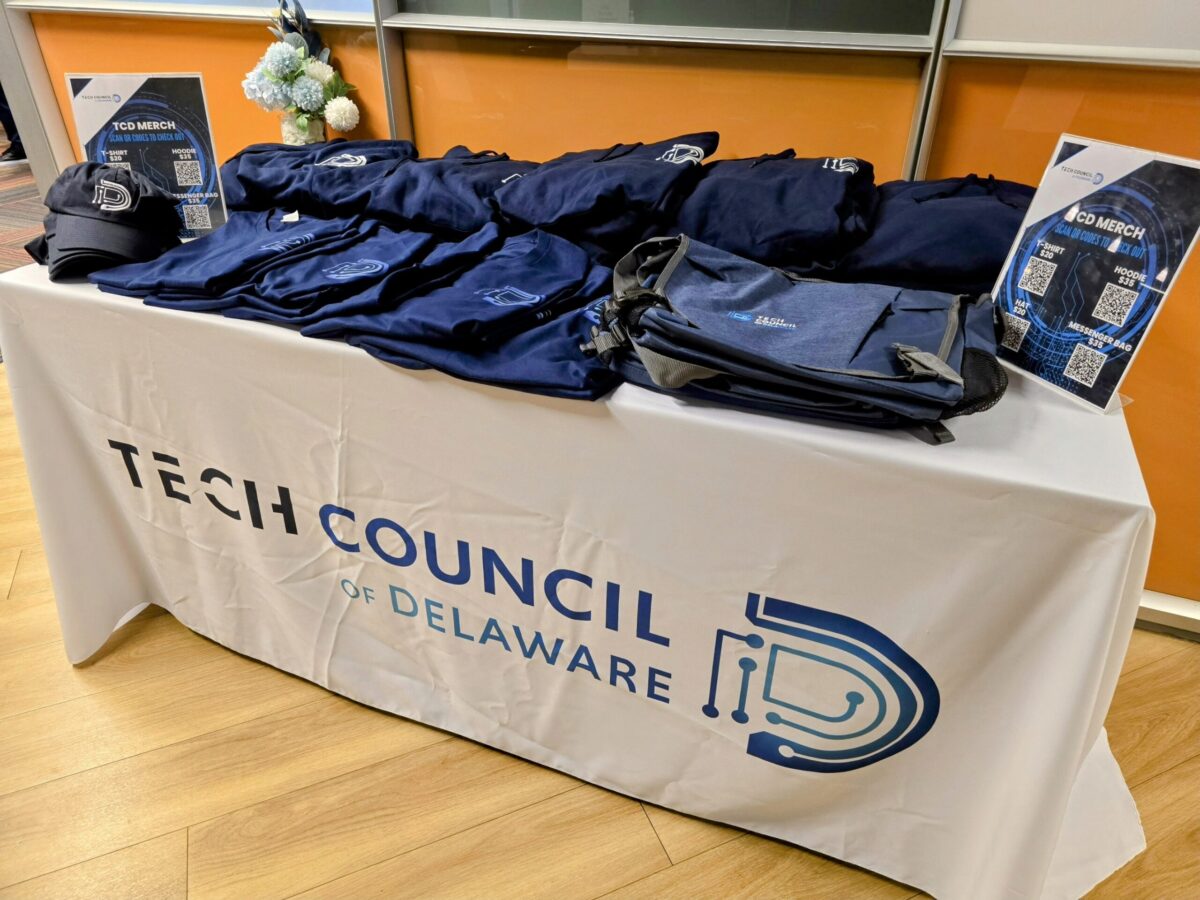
{"x": 690, "y": 319}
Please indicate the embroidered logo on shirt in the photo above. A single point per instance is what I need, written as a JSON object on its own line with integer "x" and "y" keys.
{"x": 683, "y": 153}
{"x": 344, "y": 161}
{"x": 357, "y": 269}
{"x": 283, "y": 244}
{"x": 510, "y": 296}
{"x": 846, "y": 164}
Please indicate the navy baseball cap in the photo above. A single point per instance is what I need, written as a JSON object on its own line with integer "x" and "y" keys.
{"x": 102, "y": 216}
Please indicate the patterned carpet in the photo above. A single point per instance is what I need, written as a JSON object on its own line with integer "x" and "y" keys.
{"x": 21, "y": 213}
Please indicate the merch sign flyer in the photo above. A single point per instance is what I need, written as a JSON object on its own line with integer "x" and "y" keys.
{"x": 158, "y": 126}
{"x": 1100, "y": 247}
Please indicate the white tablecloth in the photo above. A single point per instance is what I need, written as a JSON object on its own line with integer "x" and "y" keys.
{"x": 896, "y": 654}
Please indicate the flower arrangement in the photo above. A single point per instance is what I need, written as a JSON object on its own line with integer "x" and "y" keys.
{"x": 294, "y": 77}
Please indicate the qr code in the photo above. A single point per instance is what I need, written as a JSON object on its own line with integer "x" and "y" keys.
{"x": 121, "y": 165}
{"x": 196, "y": 217}
{"x": 187, "y": 173}
{"x": 1014, "y": 332}
{"x": 1114, "y": 304}
{"x": 1037, "y": 275}
{"x": 1084, "y": 365}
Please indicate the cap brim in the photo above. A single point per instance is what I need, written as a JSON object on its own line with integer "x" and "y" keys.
{"x": 80, "y": 263}
{"x": 80, "y": 233}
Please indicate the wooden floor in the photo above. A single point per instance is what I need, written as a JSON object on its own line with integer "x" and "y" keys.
{"x": 170, "y": 767}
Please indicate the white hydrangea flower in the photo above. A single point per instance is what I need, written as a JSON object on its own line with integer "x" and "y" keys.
{"x": 342, "y": 114}
{"x": 280, "y": 60}
{"x": 270, "y": 95}
{"x": 307, "y": 94}
{"x": 319, "y": 71}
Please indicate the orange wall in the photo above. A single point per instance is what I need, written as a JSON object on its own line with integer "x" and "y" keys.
{"x": 1004, "y": 117}
{"x": 536, "y": 98}
{"x": 222, "y": 51}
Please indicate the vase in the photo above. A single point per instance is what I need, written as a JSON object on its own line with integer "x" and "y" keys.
{"x": 295, "y": 135}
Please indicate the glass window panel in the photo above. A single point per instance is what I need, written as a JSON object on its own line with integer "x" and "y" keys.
{"x": 1156, "y": 24}
{"x": 852, "y": 16}
{"x": 313, "y": 6}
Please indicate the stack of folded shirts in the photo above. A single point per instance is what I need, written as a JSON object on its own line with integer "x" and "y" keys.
{"x": 607, "y": 200}
{"x": 515, "y": 318}
{"x": 948, "y": 235}
{"x": 780, "y": 210}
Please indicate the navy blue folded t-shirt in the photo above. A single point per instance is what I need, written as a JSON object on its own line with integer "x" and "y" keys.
{"x": 530, "y": 278}
{"x": 452, "y": 194}
{"x": 310, "y": 283}
{"x": 607, "y": 200}
{"x": 229, "y": 256}
{"x": 330, "y": 179}
{"x": 442, "y": 261}
{"x": 545, "y": 359}
{"x": 780, "y": 210}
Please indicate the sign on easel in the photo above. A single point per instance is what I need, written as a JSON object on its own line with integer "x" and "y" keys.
{"x": 1101, "y": 245}
{"x": 156, "y": 125}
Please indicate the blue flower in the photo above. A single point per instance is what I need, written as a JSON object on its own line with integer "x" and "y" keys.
{"x": 268, "y": 94}
{"x": 308, "y": 94}
{"x": 281, "y": 60}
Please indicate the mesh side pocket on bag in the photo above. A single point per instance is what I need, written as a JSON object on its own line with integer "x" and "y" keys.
{"x": 984, "y": 383}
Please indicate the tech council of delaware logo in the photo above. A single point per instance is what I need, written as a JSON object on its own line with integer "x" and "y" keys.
{"x": 1083, "y": 174}
{"x": 761, "y": 321}
{"x": 289, "y": 243}
{"x": 344, "y": 161}
{"x": 683, "y": 153}
{"x": 102, "y": 98}
{"x": 358, "y": 269}
{"x": 510, "y": 296}
{"x": 111, "y": 196}
{"x": 806, "y": 689}
{"x": 846, "y": 164}
{"x": 822, "y": 692}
